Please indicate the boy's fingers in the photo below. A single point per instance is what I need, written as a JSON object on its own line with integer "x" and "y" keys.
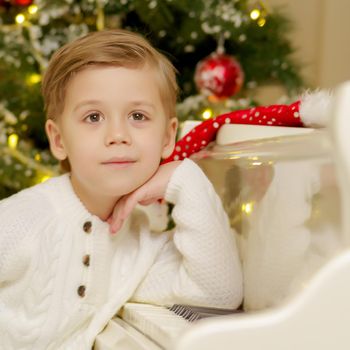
{"x": 120, "y": 213}
{"x": 148, "y": 201}
{"x": 115, "y": 222}
{"x": 114, "y": 219}
{"x": 129, "y": 205}
{"x": 114, "y": 228}
{"x": 123, "y": 209}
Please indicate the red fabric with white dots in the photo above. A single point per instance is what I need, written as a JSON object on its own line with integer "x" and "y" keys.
{"x": 204, "y": 133}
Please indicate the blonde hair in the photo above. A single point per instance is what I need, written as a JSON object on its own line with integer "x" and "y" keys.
{"x": 110, "y": 47}
{"x": 116, "y": 47}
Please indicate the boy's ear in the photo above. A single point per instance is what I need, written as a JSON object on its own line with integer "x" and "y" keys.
{"x": 53, "y": 133}
{"x": 170, "y": 138}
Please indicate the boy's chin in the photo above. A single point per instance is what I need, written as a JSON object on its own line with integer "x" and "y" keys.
{"x": 119, "y": 190}
{"x": 124, "y": 184}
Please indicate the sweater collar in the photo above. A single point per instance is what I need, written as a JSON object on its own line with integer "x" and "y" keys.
{"x": 68, "y": 203}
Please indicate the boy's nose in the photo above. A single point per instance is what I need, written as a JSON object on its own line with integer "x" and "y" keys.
{"x": 117, "y": 134}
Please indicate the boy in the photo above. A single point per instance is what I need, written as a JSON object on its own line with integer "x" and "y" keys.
{"x": 110, "y": 101}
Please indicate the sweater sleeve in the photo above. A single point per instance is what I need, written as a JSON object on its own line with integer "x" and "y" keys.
{"x": 200, "y": 264}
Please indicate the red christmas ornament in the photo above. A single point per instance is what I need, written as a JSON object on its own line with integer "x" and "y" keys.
{"x": 22, "y": 2}
{"x": 219, "y": 76}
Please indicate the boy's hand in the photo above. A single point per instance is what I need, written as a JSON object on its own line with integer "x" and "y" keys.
{"x": 151, "y": 191}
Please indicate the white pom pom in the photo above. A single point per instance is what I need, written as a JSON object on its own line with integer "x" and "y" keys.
{"x": 315, "y": 108}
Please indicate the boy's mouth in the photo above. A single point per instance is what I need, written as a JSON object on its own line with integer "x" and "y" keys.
{"x": 120, "y": 162}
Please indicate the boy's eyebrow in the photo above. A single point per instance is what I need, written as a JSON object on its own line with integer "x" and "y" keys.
{"x": 142, "y": 103}
{"x": 87, "y": 102}
{"x": 135, "y": 103}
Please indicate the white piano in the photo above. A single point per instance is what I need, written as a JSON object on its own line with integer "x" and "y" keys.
{"x": 287, "y": 193}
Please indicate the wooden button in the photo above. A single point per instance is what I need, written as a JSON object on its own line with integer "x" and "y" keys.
{"x": 81, "y": 291}
{"x": 86, "y": 260}
{"x": 87, "y": 226}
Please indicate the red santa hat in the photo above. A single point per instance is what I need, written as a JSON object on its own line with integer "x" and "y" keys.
{"x": 311, "y": 110}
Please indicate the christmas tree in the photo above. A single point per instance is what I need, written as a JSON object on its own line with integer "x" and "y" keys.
{"x": 236, "y": 45}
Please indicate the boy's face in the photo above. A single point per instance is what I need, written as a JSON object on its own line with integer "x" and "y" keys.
{"x": 113, "y": 130}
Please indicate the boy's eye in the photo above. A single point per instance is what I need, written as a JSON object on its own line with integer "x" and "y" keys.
{"x": 138, "y": 116}
{"x": 94, "y": 118}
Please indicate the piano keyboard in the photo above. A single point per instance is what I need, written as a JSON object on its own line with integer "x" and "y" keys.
{"x": 150, "y": 327}
{"x": 194, "y": 313}
{"x": 156, "y": 322}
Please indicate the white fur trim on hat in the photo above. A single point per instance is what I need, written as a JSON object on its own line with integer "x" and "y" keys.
{"x": 315, "y": 108}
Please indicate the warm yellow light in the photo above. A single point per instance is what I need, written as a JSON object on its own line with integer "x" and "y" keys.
{"x": 32, "y": 9}
{"x": 255, "y": 14}
{"x": 207, "y": 114}
{"x": 34, "y": 79}
{"x": 261, "y": 22}
{"x": 12, "y": 141}
{"x": 247, "y": 207}
{"x": 45, "y": 178}
{"x": 37, "y": 157}
{"x": 20, "y": 18}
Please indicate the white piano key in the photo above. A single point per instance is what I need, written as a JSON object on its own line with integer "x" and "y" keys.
{"x": 157, "y": 322}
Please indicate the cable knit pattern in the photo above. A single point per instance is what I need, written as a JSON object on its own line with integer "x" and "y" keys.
{"x": 51, "y": 299}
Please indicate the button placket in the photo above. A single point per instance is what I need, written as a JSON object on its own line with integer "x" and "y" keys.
{"x": 87, "y": 229}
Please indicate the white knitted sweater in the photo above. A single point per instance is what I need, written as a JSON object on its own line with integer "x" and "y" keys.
{"x": 63, "y": 276}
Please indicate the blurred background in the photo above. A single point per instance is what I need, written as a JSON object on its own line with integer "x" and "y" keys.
{"x": 320, "y": 35}
{"x": 230, "y": 54}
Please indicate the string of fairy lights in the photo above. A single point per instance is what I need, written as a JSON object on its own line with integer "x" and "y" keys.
{"x": 22, "y": 17}
{"x": 259, "y": 13}
{"x": 12, "y": 148}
